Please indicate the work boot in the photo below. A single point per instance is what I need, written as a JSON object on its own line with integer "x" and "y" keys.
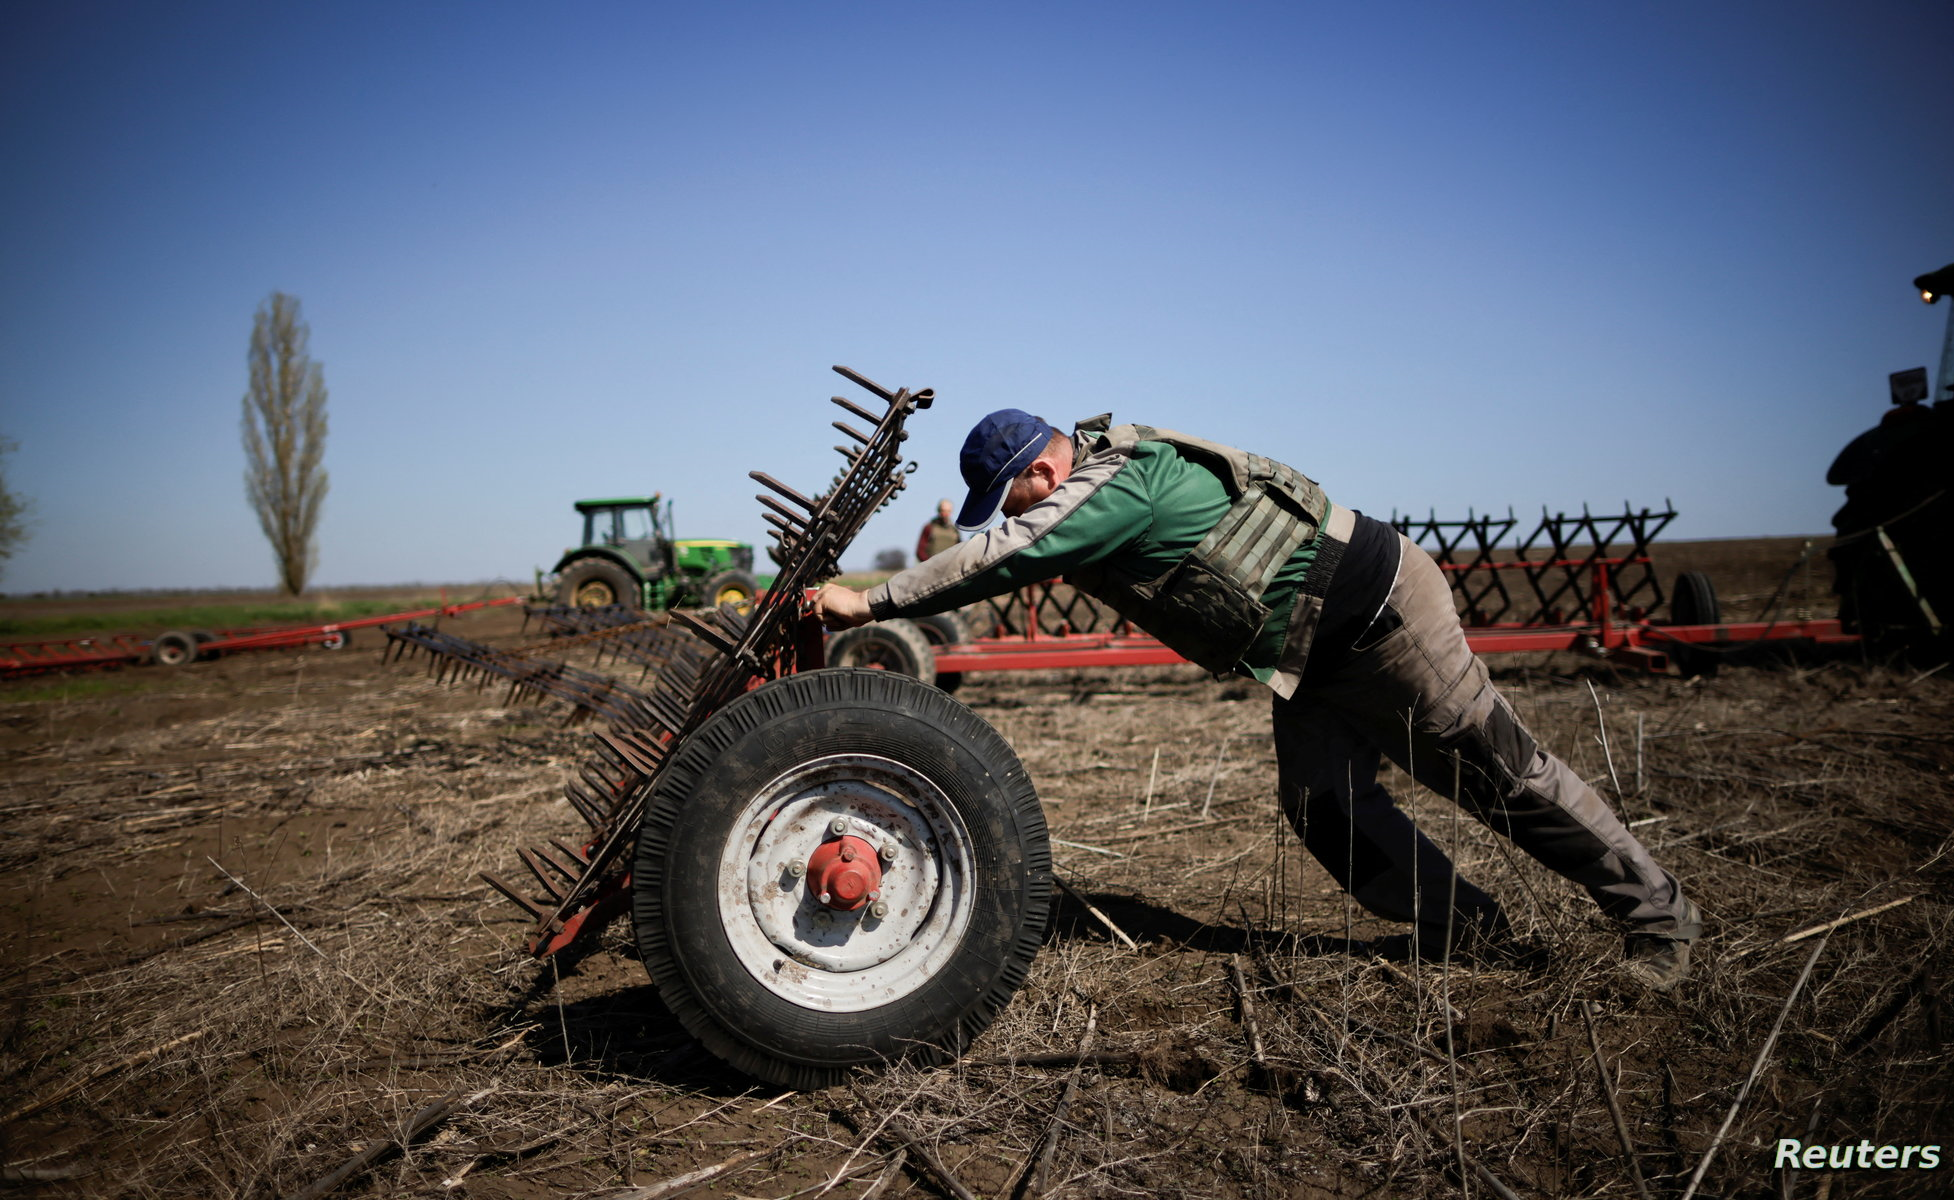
{"x": 1660, "y": 961}
{"x": 1657, "y": 963}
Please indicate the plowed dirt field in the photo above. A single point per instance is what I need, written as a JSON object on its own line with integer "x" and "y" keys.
{"x": 246, "y": 943}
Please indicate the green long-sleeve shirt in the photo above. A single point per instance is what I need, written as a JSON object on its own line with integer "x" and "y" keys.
{"x": 1133, "y": 512}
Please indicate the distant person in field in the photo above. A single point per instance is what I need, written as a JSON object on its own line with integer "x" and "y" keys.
{"x": 939, "y": 535}
{"x": 1242, "y": 565}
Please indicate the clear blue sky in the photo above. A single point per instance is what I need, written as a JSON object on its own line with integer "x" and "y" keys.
{"x": 1435, "y": 255}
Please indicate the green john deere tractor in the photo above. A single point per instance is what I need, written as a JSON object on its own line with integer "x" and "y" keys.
{"x": 630, "y": 557}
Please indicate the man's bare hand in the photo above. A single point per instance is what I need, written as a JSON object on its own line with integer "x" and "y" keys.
{"x": 841, "y": 607}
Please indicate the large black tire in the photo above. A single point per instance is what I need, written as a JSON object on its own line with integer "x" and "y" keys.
{"x": 763, "y": 973}
{"x": 737, "y": 588}
{"x": 596, "y": 583}
{"x": 944, "y": 629}
{"x": 897, "y": 646}
{"x": 175, "y": 648}
{"x": 1693, "y": 601}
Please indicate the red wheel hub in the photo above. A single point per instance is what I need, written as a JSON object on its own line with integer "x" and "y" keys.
{"x": 845, "y": 873}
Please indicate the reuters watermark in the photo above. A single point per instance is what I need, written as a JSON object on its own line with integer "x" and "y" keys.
{"x": 1797, "y": 1155}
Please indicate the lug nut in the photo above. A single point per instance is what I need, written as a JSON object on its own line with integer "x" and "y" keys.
{"x": 847, "y": 854}
{"x": 838, "y": 826}
{"x": 825, "y": 897}
{"x": 797, "y": 869}
{"x": 879, "y": 909}
{"x": 888, "y": 852}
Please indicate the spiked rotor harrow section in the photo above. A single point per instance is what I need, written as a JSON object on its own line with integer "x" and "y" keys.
{"x": 527, "y": 676}
{"x": 1548, "y": 577}
{"x": 697, "y": 663}
{"x": 650, "y": 640}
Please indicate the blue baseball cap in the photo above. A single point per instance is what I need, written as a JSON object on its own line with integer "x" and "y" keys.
{"x": 1003, "y": 444}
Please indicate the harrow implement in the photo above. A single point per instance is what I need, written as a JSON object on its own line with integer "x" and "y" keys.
{"x": 454, "y": 658}
{"x": 742, "y": 651}
{"x": 177, "y": 647}
{"x": 702, "y": 661}
{"x": 1569, "y": 566}
{"x": 654, "y": 641}
{"x": 826, "y": 868}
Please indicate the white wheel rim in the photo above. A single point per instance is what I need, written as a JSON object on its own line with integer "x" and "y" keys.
{"x": 838, "y": 961}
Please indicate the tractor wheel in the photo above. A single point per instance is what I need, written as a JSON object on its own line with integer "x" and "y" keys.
{"x": 944, "y": 629}
{"x": 1693, "y": 601}
{"x": 596, "y": 583}
{"x": 175, "y": 648}
{"x": 736, "y": 588}
{"x": 840, "y": 868}
{"x": 897, "y": 646}
{"x": 338, "y": 639}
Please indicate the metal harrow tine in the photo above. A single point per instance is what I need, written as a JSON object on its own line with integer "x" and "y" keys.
{"x": 517, "y": 898}
{"x": 528, "y": 859}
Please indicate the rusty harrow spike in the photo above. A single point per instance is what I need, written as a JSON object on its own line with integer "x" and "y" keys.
{"x": 528, "y": 859}
{"x": 587, "y": 806}
{"x": 788, "y": 516}
{"x": 570, "y": 853}
{"x": 523, "y": 902}
{"x": 769, "y": 481}
{"x": 713, "y": 636}
{"x": 860, "y": 380}
{"x": 851, "y": 431}
{"x": 631, "y": 750}
{"x": 781, "y": 517}
{"x": 850, "y": 406}
{"x": 602, "y": 778}
{"x": 549, "y": 860}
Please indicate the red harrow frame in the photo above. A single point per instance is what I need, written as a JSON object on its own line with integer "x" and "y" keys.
{"x": 1583, "y": 583}
{"x": 177, "y": 646}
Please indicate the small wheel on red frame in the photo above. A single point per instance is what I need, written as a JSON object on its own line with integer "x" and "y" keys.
{"x": 175, "y": 648}
{"x": 897, "y": 645}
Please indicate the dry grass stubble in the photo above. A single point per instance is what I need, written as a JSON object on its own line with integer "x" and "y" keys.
{"x": 359, "y": 802}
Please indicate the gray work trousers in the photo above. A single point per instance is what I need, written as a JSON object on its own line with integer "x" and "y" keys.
{"x": 1420, "y": 696}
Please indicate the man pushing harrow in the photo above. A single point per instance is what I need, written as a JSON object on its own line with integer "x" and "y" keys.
{"x": 1242, "y": 565}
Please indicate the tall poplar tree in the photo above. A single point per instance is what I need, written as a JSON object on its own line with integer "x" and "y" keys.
{"x": 14, "y": 510}
{"x": 285, "y": 438}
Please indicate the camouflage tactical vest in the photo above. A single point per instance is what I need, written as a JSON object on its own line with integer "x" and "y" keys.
{"x": 1208, "y": 606}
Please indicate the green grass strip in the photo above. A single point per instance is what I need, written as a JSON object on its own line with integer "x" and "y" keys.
{"x": 202, "y": 616}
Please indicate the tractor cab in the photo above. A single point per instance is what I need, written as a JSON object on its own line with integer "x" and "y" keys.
{"x": 636, "y": 527}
